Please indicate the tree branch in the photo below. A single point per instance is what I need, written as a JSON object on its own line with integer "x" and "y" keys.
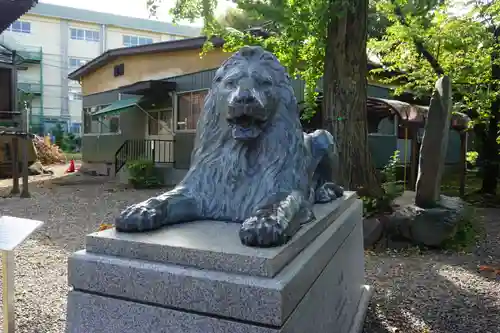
{"x": 419, "y": 45}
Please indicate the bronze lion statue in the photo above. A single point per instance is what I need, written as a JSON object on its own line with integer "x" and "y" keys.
{"x": 251, "y": 163}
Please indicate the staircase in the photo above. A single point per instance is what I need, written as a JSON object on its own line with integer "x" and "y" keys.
{"x": 157, "y": 151}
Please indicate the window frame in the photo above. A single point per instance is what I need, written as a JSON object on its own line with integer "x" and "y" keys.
{"x": 96, "y": 108}
{"x": 22, "y": 25}
{"x": 177, "y": 104}
{"x": 83, "y": 34}
{"x": 81, "y": 62}
{"x": 395, "y": 121}
{"x": 138, "y": 39}
{"x": 157, "y": 120}
{"x": 75, "y": 92}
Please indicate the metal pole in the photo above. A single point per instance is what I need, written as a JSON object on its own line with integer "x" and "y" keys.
{"x": 8, "y": 267}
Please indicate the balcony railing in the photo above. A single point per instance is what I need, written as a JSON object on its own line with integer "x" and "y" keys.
{"x": 157, "y": 151}
{"x": 30, "y": 87}
{"x": 29, "y": 54}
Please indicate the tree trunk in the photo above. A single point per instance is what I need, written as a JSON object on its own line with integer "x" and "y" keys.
{"x": 344, "y": 102}
{"x": 490, "y": 146}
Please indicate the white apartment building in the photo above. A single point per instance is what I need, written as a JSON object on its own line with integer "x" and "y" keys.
{"x": 52, "y": 41}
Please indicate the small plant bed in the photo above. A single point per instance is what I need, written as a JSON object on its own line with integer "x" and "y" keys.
{"x": 143, "y": 175}
{"x": 473, "y": 183}
{"x": 395, "y": 222}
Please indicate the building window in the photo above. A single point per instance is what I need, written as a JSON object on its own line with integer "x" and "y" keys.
{"x": 189, "y": 108}
{"x": 160, "y": 122}
{"x": 100, "y": 125}
{"x": 20, "y": 26}
{"x": 75, "y": 63}
{"x": 84, "y": 34}
{"x": 136, "y": 40}
{"x": 75, "y": 128}
{"x": 381, "y": 124}
{"x": 74, "y": 94}
{"x": 110, "y": 124}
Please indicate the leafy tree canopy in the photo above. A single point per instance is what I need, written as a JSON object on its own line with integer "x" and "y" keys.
{"x": 462, "y": 45}
{"x": 302, "y": 27}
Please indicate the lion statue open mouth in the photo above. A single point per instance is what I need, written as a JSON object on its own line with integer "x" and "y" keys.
{"x": 251, "y": 163}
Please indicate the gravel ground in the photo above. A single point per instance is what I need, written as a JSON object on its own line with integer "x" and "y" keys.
{"x": 70, "y": 212}
{"x": 414, "y": 292}
{"x": 435, "y": 292}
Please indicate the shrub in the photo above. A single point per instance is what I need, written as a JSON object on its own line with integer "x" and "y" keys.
{"x": 143, "y": 174}
{"x": 392, "y": 189}
{"x": 468, "y": 229}
{"x": 471, "y": 158}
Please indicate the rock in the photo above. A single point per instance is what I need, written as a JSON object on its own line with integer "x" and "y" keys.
{"x": 428, "y": 226}
{"x": 38, "y": 169}
{"x": 372, "y": 231}
{"x": 434, "y": 145}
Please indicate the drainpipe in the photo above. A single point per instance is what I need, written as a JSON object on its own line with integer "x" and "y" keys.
{"x": 42, "y": 118}
{"x": 104, "y": 40}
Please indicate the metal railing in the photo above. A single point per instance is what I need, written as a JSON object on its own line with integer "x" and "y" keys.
{"x": 157, "y": 151}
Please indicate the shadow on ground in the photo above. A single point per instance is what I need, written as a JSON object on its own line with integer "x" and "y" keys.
{"x": 444, "y": 299}
{"x": 436, "y": 292}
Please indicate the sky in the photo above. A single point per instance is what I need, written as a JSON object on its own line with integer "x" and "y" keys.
{"x": 134, "y": 8}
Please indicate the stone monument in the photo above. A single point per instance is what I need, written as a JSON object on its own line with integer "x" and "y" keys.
{"x": 425, "y": 216}
{"x": 434, "y": 145}
{"x": 174, "y": 263}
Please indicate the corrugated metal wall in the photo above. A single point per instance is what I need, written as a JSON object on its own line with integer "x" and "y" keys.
{"x": 382, "y": 147}
{"x": 194, "y": 81}
{"x": 203, "y": 80}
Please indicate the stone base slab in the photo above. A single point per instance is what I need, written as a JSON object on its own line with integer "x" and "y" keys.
{"x": 102, "y": 314}
{"x": 321, "y": 290}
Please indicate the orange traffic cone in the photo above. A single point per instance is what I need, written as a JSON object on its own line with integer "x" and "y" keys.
{"x": 71, "y": 168}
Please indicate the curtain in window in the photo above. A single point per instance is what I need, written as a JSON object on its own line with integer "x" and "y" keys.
{"x": 190, "y": 107}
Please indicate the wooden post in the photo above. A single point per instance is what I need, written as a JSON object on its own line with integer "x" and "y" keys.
{"x": 25, "y": 172}
{"x": 25, "y": 142}
{"x": 15, "y": 166}
{"x": 463, "y": 162}
{"x": 414, "y": 157}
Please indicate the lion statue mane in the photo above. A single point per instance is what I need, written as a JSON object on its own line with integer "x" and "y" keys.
{"x": 251, "y": 163}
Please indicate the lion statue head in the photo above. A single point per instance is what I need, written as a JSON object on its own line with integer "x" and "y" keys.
{"x": 249, "y": 88}
{"x": 247, "y": 92}
{"x": 250, "y": 126}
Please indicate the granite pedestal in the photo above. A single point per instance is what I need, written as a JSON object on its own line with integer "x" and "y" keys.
{"x": 198, "y": 278}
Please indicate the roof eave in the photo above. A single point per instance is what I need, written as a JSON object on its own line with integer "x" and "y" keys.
{"x": 177, "y": 45}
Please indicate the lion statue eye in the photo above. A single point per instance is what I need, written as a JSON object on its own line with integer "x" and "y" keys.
{"x": 230, "y": 84}
{"x": 266, "y": 83}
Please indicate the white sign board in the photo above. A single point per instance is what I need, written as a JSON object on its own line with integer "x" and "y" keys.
{"x": 14, "y": 230}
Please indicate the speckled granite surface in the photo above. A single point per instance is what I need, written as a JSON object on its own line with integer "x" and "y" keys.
{"x": 319, "y": 290}
{"x": 214, "y": 245}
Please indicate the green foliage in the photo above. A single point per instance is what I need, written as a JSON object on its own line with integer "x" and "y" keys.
{"x": 24, "y": 100}
{"x": 58, "y": 133}
{"x": 392, "y": 189}
{"x": 70, "y": 142}
{"x": 468, "y": 230}
{"x": 471, "y": 157}
{"x": 143, "y": 174}
{"x": 238, "y": 19}
{"x": 302, "y": 28}
{"x": 461, "y": 44}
